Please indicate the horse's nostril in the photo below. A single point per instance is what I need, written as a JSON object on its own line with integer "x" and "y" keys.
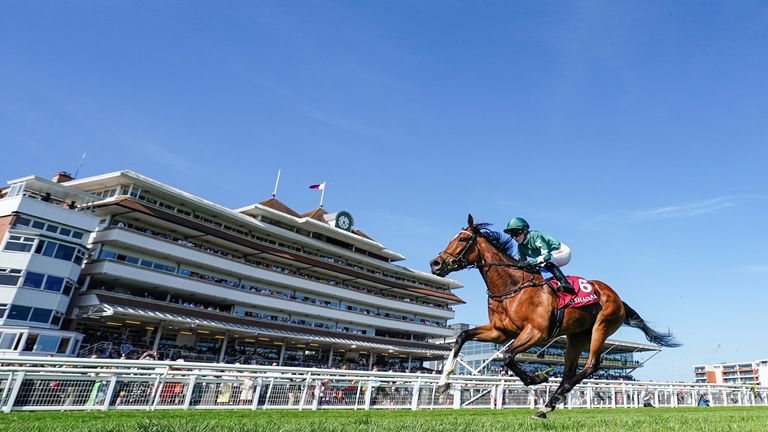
{"x": 435, "y": 263}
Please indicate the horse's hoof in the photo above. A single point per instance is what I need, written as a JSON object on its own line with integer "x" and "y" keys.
{"x": 442, "y": 388}
{"x": 541, "y": 415}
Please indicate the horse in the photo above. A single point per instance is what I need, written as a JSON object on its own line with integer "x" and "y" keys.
{"x": 523, "y": 307}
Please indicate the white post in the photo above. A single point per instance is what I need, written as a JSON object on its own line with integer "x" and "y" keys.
{"x": 269, "y": 392}
{"x": 415, "y": 395}
{"x": 305, "y": 390}
{"x": 368, "y": 395}
{"x": 110, "y": 392}
{"x": 256, "y": 394}
{"x": 15, "y": 392}
{"x": 223, "y": 347}
{"x": 190, "y": 391}
{"x": 456, "y": 396}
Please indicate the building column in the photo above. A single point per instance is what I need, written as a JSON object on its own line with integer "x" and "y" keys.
{"x": 371, "y": 355}
{"x": 409, "y": 363}
{"x": 223, "y": 347}
{"x": 282, "y": 354}
{"x": 159, "y": 334}
{"x": 330, "y": 357}
{"x": 85, "y": 284}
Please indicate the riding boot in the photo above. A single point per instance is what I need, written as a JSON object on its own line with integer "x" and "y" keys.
{"x": 565, "y": 286}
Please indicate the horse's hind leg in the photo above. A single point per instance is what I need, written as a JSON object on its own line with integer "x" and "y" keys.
{"x": 577, "y": 342}
{"x": 484, "y": 333}
{"x": 525, "y": 340}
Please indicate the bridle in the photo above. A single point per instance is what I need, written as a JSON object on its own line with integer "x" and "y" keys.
{"x": 459, "y": 262}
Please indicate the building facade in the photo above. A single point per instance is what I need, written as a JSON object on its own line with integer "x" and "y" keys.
{"x": 751, "y": 372}
{"x": 172, "y": 273}
{"x": 43, "y": 244}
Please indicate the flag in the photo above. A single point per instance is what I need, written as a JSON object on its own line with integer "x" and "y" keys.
{"x": 320, "y": 186}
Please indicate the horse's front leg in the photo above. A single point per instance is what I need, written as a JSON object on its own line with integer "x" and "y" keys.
{"x": 484, "y": 333}
{"x": 529, "y": 337}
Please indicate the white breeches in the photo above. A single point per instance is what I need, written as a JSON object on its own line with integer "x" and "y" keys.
{"x": 561, "y": 256}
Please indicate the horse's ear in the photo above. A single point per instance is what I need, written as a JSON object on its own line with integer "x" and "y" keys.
{"x": 470, "y": 221}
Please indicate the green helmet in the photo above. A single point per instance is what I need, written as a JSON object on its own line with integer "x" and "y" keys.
{"x": 516, "y": 224}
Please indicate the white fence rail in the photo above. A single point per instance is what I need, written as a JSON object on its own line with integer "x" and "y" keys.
{"x": 28, "y": 384}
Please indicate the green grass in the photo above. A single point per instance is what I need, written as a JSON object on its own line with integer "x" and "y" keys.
{"x": 510, "y": 420}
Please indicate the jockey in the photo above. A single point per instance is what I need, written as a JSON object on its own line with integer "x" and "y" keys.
{"x": 542, "y": 250}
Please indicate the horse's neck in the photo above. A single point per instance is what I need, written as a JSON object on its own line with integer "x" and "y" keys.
{"x": 498, "y": 278}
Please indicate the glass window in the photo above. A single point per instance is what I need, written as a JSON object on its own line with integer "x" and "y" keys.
{"x": 7, "y": 340}
{"x": 65, "y": 252}
{"x": 31, "y": 341}
{"x": 19, "y": 243}
{"x": 65, "y": 231}
{"x": 41, "y": 315}
{"x": 79, "y": 256}
{"x": 53, "y": 283}
{"x": 47, "y": 343}
{"x": 77, "y": 235}
{"x": 19, "y": 312}
{"x": 56, "y": 320}
{"x": 9, "y": 279}
{"x": 107, "y": 254}
{"x": 63, "y": 345}
{"x": 38, "y": 225}
{"x": 3, "y": 309}
{"x": 146, "y": 263}
{"x": 68, "y": 287}
{"x": 52, "y": 228}
{"x": 34, "y": 280}
{"x": 23, "y": 221}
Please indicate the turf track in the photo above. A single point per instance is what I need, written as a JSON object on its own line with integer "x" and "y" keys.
{"x": 598, "y": 420}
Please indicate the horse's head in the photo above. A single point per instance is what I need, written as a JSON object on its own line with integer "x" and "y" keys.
{"x": 460, "y": 253}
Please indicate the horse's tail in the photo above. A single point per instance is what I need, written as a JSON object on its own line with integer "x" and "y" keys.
{"x": 633, "y": 319}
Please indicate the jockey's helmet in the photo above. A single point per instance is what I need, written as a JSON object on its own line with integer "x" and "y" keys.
{"x": 516, "y": 225}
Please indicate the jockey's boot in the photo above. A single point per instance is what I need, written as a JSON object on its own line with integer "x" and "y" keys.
{"x": 565, "y": 286}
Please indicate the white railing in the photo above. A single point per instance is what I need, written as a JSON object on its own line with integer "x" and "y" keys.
{"x": 92, "y": 384}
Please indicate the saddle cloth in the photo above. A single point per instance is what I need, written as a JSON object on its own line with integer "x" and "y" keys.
{"x": 585, "y": 293}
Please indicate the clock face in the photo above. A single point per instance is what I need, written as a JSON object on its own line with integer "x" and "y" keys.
{"x": 343, "y": 222}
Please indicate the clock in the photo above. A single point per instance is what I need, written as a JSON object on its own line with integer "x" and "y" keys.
{"x": 344, "y": 221}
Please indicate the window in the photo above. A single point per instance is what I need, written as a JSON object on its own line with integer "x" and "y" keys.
{"x": 41, "y": 315}
{"x": 7, "y": 340}
{"x": 65, "y": 231}
{"x": 19, "y": 312}
{"x": 10, "y": 276}
{"x": 107, "y": 254}
{"x": 52, "y": 228}
{"x": 56, "y": 320}
{"x": 63, "y": 345}
{"x": 47, "y": 343}
{"x": 65, "y": 252}
{"x": 3, "y": 310}
{"x": 77, "y": 235}
{"x": 34, "y": 280}
{"x": 17, "y": 243}
{"x": 53, "y": 283}
{"x": 23, "y": 221}
{"x": 79, "y": 256}
{"x": 68, "y": 287}
{"x": 38, "y": 225}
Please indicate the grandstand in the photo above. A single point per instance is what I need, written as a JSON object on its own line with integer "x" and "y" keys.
{"x": 171, "y": 273}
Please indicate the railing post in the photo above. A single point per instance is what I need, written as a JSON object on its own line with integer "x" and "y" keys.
{"x": 305, "y": 390}
{"x": 14, "y": 392}
{"x": 190, "y": 392}
{"x": 613, "y": 397}
{"x": 7, "y": 387}
{"x": 357, "y": 395}
{"x": 456, "y": 396}
{"x": 257, "y": 393}
{"x": 269, "y": 392}
{"x": 110, "y": 392}
{"x": 159, "y": 383}
{"x": 415, "y": 395}
{"x": 317, "y": 394}
{"x": 369, "y": 395}
{"x": 500, "y": 396}
{"x": 590, "y": 395}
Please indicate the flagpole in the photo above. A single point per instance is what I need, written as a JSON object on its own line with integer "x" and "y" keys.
{"x": 276, "y": 183}
{"x": 322, "y": 194}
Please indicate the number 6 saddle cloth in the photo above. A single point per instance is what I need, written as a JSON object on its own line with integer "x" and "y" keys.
{"x": 585, "y": 293}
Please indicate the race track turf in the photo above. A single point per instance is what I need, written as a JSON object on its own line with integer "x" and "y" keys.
{"x": 511, "y": 420}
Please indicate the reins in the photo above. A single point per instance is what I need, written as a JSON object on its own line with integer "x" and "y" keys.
{"x": 530, "y": 283}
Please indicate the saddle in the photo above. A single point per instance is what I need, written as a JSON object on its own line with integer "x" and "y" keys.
{"x": 585, "y": 295}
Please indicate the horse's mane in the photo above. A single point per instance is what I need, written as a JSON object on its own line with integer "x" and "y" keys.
{"x": 502, "y": 243}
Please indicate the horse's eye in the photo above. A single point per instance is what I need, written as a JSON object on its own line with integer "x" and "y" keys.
{"x": 463, "y": 240}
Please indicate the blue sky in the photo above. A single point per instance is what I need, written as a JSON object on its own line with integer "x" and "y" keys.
{"x": 635, "y": 132}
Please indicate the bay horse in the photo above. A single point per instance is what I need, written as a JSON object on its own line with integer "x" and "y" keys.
{"x": 522, "y": 307}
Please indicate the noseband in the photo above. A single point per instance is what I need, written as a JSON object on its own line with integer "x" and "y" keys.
{"x": 459, "y": 262}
